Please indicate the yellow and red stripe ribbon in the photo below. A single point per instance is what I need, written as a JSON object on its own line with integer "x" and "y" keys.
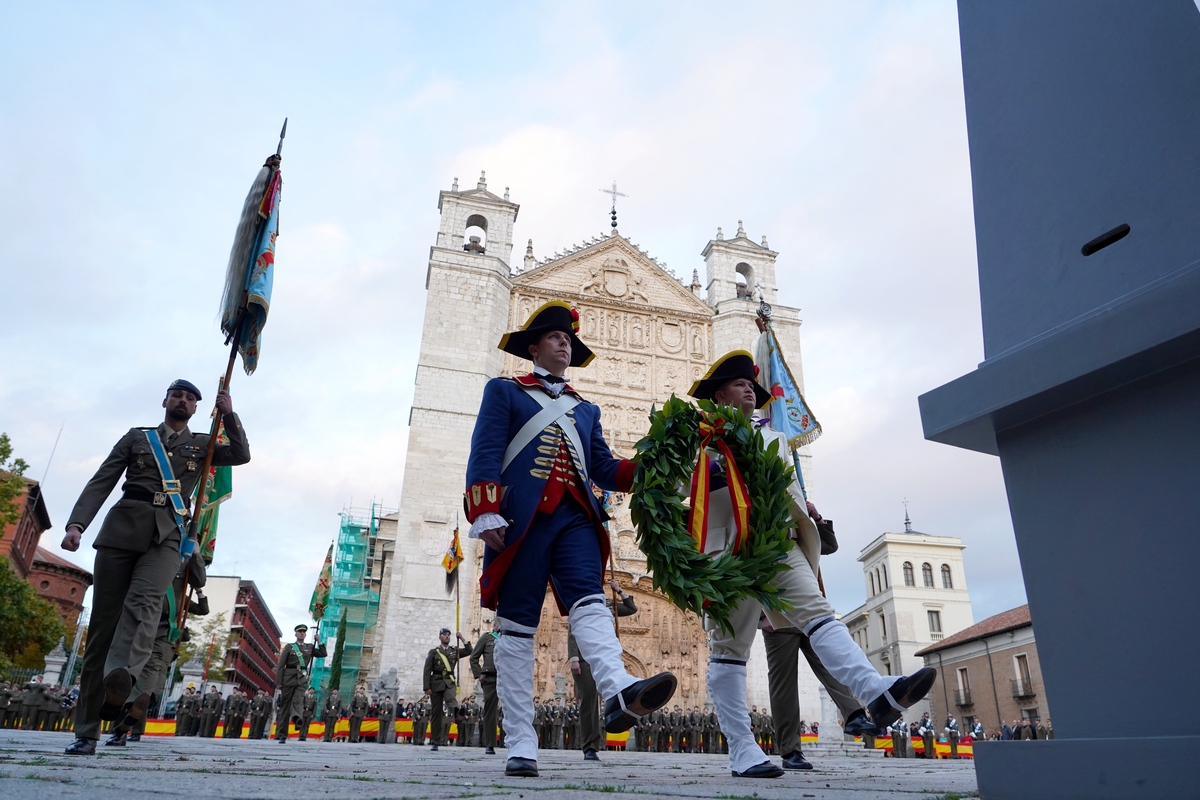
{"x": 739, "y": 495}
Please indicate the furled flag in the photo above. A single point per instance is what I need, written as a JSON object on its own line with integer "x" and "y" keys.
{"x": 320, "y": 595}
{"x": 250, "y": 274}
{"x": 453, "y": 557}
{"x": 787, "y": 411}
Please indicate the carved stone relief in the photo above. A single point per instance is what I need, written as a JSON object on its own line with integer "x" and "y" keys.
{"x": 670, "y": 336}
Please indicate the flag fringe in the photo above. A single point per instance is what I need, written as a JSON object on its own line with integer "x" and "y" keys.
{"x": 239, "y": 254}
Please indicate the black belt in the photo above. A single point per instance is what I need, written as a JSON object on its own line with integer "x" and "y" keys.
{"x": 143, "y": 496}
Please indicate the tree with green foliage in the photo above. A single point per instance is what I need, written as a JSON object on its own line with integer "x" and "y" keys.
{"x": 214, "y": 637}
{"x": 335, "y": 669}
{"x": 12, "y": 483}
{"x": 30, "y": 626}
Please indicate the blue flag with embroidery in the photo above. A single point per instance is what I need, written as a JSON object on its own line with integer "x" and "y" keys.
{"x": 787, "y": 411}
{"x": 251, "y": 272}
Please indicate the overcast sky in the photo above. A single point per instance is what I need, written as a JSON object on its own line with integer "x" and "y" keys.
{"x": 130, "y": 132}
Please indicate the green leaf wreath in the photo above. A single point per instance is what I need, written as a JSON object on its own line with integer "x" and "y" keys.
{"x": 709, "y": 584}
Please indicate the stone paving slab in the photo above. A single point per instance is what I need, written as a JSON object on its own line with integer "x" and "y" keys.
{"x": 33, "y": 765}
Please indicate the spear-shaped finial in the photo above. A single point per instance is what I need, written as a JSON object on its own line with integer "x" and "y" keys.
{"x": 282, "y": 134}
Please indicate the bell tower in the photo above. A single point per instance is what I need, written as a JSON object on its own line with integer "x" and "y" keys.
{"x": 468, "y": 290}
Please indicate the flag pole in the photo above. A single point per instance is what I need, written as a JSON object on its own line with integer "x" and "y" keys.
{"x": 457, "y": 596}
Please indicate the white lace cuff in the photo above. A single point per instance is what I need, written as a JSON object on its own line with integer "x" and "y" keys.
{"x": 486, "y": 522}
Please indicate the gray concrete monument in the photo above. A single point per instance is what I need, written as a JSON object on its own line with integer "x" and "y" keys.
{"x": 1084, "y": 127}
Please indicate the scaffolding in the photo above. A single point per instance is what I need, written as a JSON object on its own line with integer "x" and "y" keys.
{"x": 352, "y": 594}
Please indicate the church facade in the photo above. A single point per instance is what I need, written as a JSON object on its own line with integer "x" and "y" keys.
{"x": 653, "y": 335}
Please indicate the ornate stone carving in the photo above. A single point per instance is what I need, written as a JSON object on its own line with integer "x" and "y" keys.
{"x": 670, "y": 336}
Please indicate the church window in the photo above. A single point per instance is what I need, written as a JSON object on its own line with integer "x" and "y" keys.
{"x": 909, "y": 578}
{"x": 947, "y": 581}
{"x": 871, "y": 576}
{"x": 935, "y": 622}
{"x": 885, "y": 578}
{"x": 475, "y": 236}
{"x": 927, "y": 575}
{"x": 882, "y": 626}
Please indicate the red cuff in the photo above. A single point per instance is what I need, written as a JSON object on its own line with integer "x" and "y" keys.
{"x": 482, "y": 498}
{"x": 625, "y": 475}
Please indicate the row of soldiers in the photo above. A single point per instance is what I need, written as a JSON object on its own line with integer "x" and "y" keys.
{"x": 36, "y": 706}
{"x": 197, "y": 715}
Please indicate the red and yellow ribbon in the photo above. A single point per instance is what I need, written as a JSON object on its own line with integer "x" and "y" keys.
{"x": 710, "y": 431}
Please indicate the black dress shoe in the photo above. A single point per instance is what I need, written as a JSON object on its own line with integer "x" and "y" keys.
{"x": 766, "y": 769}
{"x": 118, "y": 739}
{"x": 433, "y": 747}
{"x": 491, "y": 751}
{"x": 590, "y": 755}
{"x": 521, "y": 767}
{"x": 907, "y": 691}
{"x": 118, "y": 685}
{"x": 796, "y": 760}
{"x": 623, "y": 710}
{"x": 81, "y": 747}
{"x": 859, "y": 725}
{"x": 134, "y": 737}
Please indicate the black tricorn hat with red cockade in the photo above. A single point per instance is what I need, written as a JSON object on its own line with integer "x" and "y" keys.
{"x": 730, "y": 367}
{"x": 557, "y": 315}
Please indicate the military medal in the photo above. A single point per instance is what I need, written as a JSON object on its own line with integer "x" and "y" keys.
{"x": 141, "y": 464}
{"x": 192, "y": 466}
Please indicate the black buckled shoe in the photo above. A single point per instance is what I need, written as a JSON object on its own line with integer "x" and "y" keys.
{"x": 81, "y": 747}
{"x": 637, "y": 700}
{"x": 766, "y": 769}
{"x": 521, "y": 768}
{"x": 590, "y": 755}
{"x": 859, "y": 725}
{"x": 118, "y": 739}
{"x": 118, "y": 685}
{"x": 491, "y": 751}
{"x": 907, "y": 691}
{"x": 796, "y": 760}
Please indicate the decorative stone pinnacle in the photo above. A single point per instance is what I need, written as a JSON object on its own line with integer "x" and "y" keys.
{"x": 482, "y": 180}
{"x": 454, "y": 187}
{"x": 505, "y": 192}
{"x": 765, "y": 240}
{"x": 741, "y": 231}
{"x": 720, "y": 234}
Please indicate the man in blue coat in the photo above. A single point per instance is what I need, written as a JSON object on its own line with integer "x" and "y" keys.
{"x": 536, "y": 451}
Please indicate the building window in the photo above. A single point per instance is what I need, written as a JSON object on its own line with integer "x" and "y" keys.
{"x": 909, "y": 579}
{"x": 871, "y": 578}
{"x": 882, "y": 627}
{"x": 74, "y": 590}
{"x": 1023, "y": 682}
{"x": 885, "y": 580}
{"x": 963, "y": 695}
{"x": 947, "y": 581}
{"x": 927, "y": 575}
{"x": 935, "y": 623}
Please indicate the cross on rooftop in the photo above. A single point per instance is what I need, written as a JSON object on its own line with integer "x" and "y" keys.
{"x": 615, "y": 194}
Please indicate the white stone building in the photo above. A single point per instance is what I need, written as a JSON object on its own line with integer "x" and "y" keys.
{"x": 916, "y": 595}
{"x": 652, "y": 334}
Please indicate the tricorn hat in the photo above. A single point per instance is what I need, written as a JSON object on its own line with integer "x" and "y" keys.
{"x": 300, "y": 627}
{"x": 187, "y": 386}
{"x": 557, "y": 315}
{"x": 730, "y": 367}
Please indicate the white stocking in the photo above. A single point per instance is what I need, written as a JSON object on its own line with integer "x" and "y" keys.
{"x": 514, "y": 685}
{"x": 592, "y": 625}
{"x": 727, "y": 691}
{"x": 846, "y": 661}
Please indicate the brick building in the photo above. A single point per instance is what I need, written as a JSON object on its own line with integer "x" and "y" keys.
{"x": 989, "y": 671}
{"x": 61, "y": 582}
{"x": 253, "y": 649}
{"x": 19, "y": 542}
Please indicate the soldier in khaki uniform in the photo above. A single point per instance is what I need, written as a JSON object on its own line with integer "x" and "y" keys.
{"x": 483, "y": 667}
{"x": 439, "y": 684}
{"x": 308, "y": 710}
{"x": 358, "y": 711}
{"x": 291, "y": 675}
{"x": 138, "y": 550}
{"x": 387, "y": 721}
{"x": 332, "y": 713}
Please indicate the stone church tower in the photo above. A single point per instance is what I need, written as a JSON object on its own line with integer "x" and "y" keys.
{"x": 652, "y": 335}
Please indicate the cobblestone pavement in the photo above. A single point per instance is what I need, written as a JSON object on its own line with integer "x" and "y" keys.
{"x": 32, "y": 765}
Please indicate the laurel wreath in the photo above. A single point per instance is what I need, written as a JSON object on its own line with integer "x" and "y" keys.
{"x": 693, "y": 581}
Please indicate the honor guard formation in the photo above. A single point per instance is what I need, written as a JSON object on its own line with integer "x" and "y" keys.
{"x": 538, "y": 458}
